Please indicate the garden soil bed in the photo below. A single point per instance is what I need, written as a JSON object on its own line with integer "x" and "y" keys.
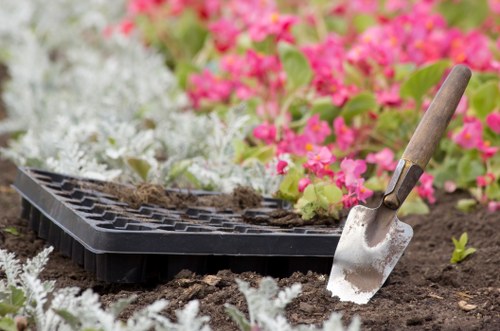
{"x": 423, "y": 292}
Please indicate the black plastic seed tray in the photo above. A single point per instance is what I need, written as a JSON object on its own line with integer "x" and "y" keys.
{"x": 122, "y": 244}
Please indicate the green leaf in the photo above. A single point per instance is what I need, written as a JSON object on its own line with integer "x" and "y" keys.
{"x": 17, "y": 296}
{"x": 465, "y": 14}
{"x": 289, "y": 187}
{"x": 325, "y": 108}
{"x": 8, "y": 324}
{"x": 466, "y": 205}
{"x": 297, "y": 68}
{"x": 422, "y": 80}
{"x": 469, "y": 251}
{"x": 12, "y": 230}
{"x": 308, "y": 210}
{"x": 469, "y": 168}
{"x": 262, "y": 153}
{"x": 72, "y": 320}
{"x": 493, "y": 191}
{"x": 140, "y": 166}
{"x": 238, "y": 317}
{"x": 332, "y": 193}
{"x": 190, "y": 33}
{"x": 310, "y": 193}
{"x": 359, "y": 104}
{"x": 413, "y": 206}
{"x": 363, "y": 21}
{"x": 485, "y": 99}
{"x": 461, "y": 252}
{"x": 183, "y": 70}
{"x": 7, "y": 308}
{"x": 463, "y": 240}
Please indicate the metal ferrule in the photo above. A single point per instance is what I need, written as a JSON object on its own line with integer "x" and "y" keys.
{"x": 403, "y": 180}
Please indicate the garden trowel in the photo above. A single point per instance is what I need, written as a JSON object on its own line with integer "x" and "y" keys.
{"x": 373, "y": 240}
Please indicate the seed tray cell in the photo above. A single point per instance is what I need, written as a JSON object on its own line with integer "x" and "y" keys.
{"x": 119, "y": 243}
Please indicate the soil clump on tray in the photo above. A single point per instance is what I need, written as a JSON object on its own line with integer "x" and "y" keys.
{"x": 424, "y": 291}
{"x": 241, "y": 198}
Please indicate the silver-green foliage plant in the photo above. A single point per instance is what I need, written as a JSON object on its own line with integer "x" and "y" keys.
{"x": 266, "y": 306}
{"x": 23, "y": 294}
{"x": 24, "y": 297}
{"x": 108, "y": 108}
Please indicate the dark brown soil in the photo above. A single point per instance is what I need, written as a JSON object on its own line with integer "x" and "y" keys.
{"x": 240, "y": 199}
{"x": 423, "y": 292}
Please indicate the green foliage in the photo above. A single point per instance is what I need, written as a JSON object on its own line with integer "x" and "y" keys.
{"x": 289, "y": 187}
{"x": 140, "y": 166}
{"x": 466, "y": 205}
{"x": 8, "y": 324}
{"x": 358, "y": 105}
{"x": 320, "y": 199}
{"x": 464, "y": 13}
{"x": 461, "y": 251}
{"x": 11, "y": 230}
{"x": 325, "y": 108}
{"x": 469, "y": 168}
{"x": 413, "y": 205}
{"x": 422, "y": 80}
{"x": 190, "y": 34}
{"x": 485, "y": 98}
{"x": 297, "y": 68}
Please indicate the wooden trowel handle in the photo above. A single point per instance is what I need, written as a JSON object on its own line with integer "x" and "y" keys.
{"x": 435, "y": 120}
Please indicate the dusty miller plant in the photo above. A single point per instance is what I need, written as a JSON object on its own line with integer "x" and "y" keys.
{"x": 107, "y": 107}
{"x": 266, "y": 306}
{"x": 24, "y": 295}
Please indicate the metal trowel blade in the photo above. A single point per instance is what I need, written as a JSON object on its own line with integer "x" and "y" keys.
{"x": 362, "y": 262}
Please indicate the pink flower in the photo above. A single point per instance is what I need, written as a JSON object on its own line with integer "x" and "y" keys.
{"x": 345, "y": 135}
{"x": 224, "y": 33}
{"x": 450, "y": 186}
{"x": 363, "y": 193}
{"x": 494, "y": 206}
{"x": 265, "y": 132}
{"x": 349, "y": 201}
{"x": 318, "y": 162}
{"x": 389, "y": 97}
{"x": 352, "y": 170}
{"x": 316, "y": 130}
{"x": 471, "y": 134}
{"x": 425, "y": 189}
{"x": 282, "y": 167}
{"x": 472, "y": 49}
{"x": 463, "y": 105}
{"x": 272, "y": 24}
{"x": 207, "y": 87}
{"x": 483, "y": 181}
{"x": 493, "y": 120}
{"x": 494, "y": 6}
{"x": 487, "y": 151}
{"x": 136, "y": 7}
{"x": 303, "y": 183}
{"x": 383, "y": 159}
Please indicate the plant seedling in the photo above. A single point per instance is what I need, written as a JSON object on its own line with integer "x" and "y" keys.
{"x": 461, "y": 252}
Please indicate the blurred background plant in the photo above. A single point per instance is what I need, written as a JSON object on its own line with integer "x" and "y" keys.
{"x": 315, "y": 102}
{"x": 338, "y": 87}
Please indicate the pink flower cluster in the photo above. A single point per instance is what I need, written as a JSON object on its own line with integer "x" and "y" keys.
{"x": 243, "y": 63}
{"x": 470, "y": 135}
